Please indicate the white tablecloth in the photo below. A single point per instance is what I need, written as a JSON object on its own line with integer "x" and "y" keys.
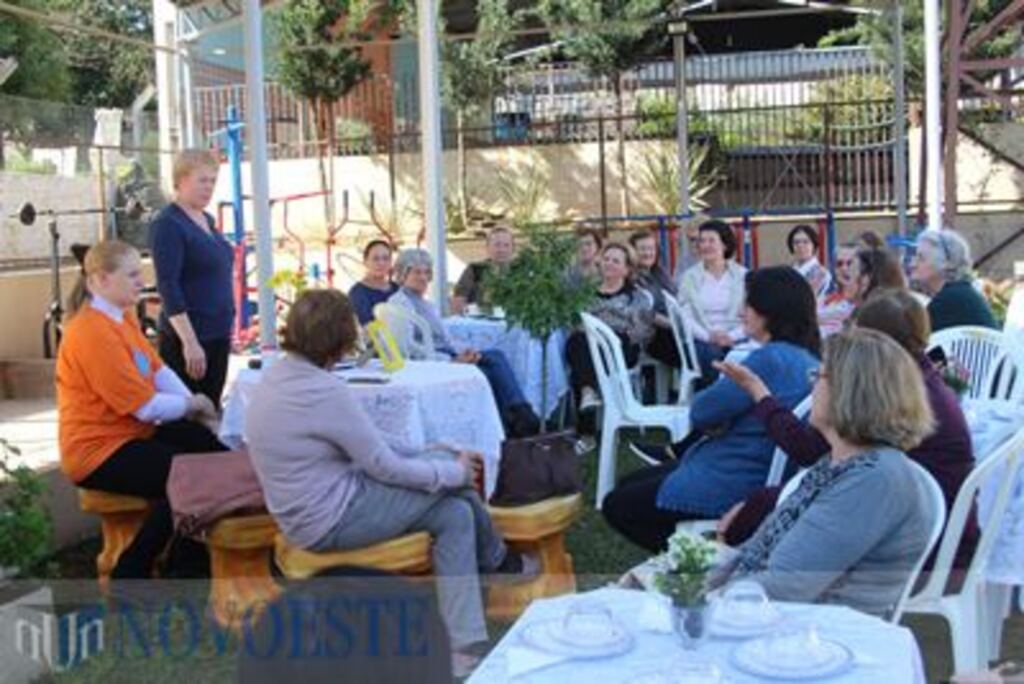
{"x": 426, "y": 403}
{"x": 523, "y": 353}
{"x": 991, "y": 424}
{"x": 883, "y": 652}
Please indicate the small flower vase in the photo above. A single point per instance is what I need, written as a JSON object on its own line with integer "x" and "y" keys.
{"x": 690, "y": 623}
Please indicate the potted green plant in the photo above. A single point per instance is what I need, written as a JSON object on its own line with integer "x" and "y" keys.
{"x": 25, "y": 525}
{"x": 535, "y": 292}
{"x": 683, "y": 579}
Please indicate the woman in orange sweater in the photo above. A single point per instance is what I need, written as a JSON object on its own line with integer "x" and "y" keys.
{"x": 123, "y": 414}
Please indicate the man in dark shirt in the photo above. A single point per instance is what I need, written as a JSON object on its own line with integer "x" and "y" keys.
{"x": 501, "y": 248}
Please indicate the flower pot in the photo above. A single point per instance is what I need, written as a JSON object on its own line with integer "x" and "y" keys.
{"x": 690, "y": 623}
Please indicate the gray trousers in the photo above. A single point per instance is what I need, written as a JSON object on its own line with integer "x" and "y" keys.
{"x": 464, "y": 543}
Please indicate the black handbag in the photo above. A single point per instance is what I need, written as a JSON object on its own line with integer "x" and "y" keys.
{"x": 537, "y": 468}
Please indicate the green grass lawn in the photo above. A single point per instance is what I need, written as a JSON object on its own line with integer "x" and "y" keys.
{"x": 600, "y": 555}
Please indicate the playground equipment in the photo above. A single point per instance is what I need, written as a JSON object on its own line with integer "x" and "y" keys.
{"x": 53, "y": 320}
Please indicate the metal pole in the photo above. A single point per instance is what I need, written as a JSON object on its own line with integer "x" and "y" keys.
{"x": 433, "y": 161}
{"x": 682, "y": 116}
{"x": 256, "y": 125}
{"x": 933, "y": 108}
{"x": 900, "y": 120}
{"x": 188, "y": 128}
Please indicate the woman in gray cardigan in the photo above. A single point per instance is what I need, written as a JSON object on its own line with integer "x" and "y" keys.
{"x": 853, "y": 529}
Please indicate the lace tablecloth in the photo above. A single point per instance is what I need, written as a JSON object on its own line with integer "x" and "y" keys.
{"x": 882, "y": 652}
{"x": 426, "y": 403}
{"x": 523, "y": 353}
{"x": 991, "y": 424}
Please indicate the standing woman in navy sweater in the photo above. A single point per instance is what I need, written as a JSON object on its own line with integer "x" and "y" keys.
{"x": 194, "y": 268}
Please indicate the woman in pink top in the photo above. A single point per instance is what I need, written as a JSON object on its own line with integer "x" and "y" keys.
{"x": 332, "y": 482}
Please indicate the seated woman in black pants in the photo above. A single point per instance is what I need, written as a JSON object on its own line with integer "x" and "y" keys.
{"x": 627, "y": 309}
{"x": 734, "y": 454}
{"x": 123, "y": 414}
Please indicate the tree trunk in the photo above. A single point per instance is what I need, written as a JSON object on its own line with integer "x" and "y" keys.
{"x": 624, "y": 178}
{"x": 460, "y": 142}
{"x": 320, "y": 121}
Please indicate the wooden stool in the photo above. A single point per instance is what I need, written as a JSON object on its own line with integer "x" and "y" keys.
{"x": 121, "y": 517}
{"x": 405, "y": 555}
{"x": 535, "y": 528}
{"x": 240, "y": 548}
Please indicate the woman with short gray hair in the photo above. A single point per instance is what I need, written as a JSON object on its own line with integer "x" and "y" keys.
{"x": 414, "y": 270}
{"x": 942, "y": 267}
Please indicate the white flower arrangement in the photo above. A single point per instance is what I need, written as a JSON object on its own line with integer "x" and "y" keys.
{"x": 685, "y": 567}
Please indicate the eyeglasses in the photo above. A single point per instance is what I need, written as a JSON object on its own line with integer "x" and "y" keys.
{"x": 816, "y": 374}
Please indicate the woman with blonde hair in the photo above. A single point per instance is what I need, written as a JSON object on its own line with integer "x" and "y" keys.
{"x": 825, "y": 543}
{"x": 123, "y": 414}
{"x": 194, "y": 270}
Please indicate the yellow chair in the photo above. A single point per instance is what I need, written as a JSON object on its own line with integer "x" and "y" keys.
{"x": 537, "y": 528}
{"x": 121, "y": 517}
{"x": 241, "y": 584}
{"x": 405, "y": 555}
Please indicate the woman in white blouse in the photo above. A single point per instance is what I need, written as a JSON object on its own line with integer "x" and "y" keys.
{"x": 802, "y": 242}
{"x": 712, "y": 295}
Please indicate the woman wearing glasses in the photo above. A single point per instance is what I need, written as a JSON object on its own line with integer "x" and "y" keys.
{"x": 942, "y": 268}
{"x": 837, "y": 306}
{"x": 946, "y": 453}
{"x": 859, "y": 519}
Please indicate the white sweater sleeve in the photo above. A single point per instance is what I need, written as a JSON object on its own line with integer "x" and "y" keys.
{"x": 168, "y": 382}
{"x": 163, "y": 408}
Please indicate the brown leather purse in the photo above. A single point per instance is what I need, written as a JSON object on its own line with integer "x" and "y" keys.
{"x": 537, "y": 468}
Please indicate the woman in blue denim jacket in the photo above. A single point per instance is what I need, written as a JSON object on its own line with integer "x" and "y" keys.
{"x": 734, "y": 453}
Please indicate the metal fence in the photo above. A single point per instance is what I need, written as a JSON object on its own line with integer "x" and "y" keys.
{"x": 788, "y": 129}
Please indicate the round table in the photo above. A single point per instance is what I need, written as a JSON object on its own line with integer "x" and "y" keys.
{"x": 424, "y": 406}
{"x": 524, "y": 354}
{"x": 882, "y": 652}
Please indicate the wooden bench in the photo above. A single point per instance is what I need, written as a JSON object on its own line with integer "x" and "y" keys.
{"x": 121, "y": 517}
{"x": 405, "y": 555}
{"x": 240, "y": 581}
{"x": 539, "y": 529}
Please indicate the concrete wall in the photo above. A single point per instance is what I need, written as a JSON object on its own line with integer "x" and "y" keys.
{"x": 45, "y": 192}
{"x": 24, "y": 298}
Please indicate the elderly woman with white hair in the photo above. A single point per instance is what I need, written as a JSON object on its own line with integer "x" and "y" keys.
{"x": 414, "y": 269}
{"x": 942, "y": 267}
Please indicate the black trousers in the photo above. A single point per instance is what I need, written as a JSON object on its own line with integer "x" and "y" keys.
{"x": 217, "y": 352}
{"x": 663, "y": 348}
{"x": 581, "y": 366}
{"x": 582, "y": 373}
{"x": 140, "y": 468}
{"x": 631, "y": 508}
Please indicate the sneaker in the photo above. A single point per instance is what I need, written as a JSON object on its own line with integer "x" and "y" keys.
{"x": 652, "y": 454}
{"x": 589, "y": 399}
{"x": 516, "y": 568}
{"x": 463, "y": 664}
{"x": 585, "y": 445}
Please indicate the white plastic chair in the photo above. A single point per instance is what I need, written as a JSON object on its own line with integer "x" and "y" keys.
{"x": 621, "y": 408}
{"x": 689, "y": 367}
{"x": 411, "y": 331}
{"x": 937, "y": 505}
{"x": 779, "y": 458}
{"x": 994, "y": 359}
{"x": 964, "y": 610}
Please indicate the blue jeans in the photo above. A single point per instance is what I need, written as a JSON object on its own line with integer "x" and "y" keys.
{"x": 706, "y": 353}
{"x": 504, "y": 385}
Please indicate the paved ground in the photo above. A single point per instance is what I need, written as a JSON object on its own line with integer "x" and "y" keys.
{"x": 31, "y": 426}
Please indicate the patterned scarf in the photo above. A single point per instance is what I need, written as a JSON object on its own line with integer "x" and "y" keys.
{"x": 754, "y": 553}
